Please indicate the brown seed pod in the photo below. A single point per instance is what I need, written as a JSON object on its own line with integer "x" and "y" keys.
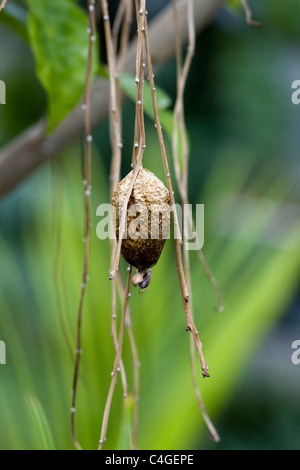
{"x": 147, "y": 223}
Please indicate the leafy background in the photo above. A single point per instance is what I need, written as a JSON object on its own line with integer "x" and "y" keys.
{"x": 244, "y": 167}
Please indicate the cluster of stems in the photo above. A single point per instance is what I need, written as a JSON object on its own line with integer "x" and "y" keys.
{"x": 117, "y": 38}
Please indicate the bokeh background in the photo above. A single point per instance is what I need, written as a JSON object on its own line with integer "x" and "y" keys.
{"x": 245, "y": 167}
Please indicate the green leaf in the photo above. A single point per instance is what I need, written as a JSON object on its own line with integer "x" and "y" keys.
{"x": 58, "y": 36}
{"x": 234, "y": 4}
{"x": 41, "y": 423}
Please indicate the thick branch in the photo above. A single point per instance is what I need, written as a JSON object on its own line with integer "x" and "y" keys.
{"x": 29, "y": 150}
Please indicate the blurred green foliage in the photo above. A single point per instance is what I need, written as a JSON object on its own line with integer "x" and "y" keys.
{"x": 60, "y": 47}
{"x": 243, "y": 168}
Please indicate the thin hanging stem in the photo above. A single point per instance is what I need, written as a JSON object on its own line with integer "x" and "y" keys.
{"x": 117, "y": 244}
{"x": 179, "y": 122}
{"x": 87, "y": 216}
{"x": 117, "y": 24}
{"x": 116, "y": 367}
{"x": 190, "y": 326}
{"x": 115, "y": 115}
{"x": 248, "y": 14}
{"x": 116, "y": 132}
{"x": 136, "y": 364}
{"x": 142, "y": 140}
{"x": 220, "y": 307}
{"x": 115, "y": 341}
{"x": 125, "y": 32}
{"x": 182, "y": 176}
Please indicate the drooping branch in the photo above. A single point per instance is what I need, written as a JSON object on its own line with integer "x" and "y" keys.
{"x": 32, "y": 148}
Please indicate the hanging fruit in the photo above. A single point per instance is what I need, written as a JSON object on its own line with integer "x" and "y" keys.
{"x": 147, "y": 222}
